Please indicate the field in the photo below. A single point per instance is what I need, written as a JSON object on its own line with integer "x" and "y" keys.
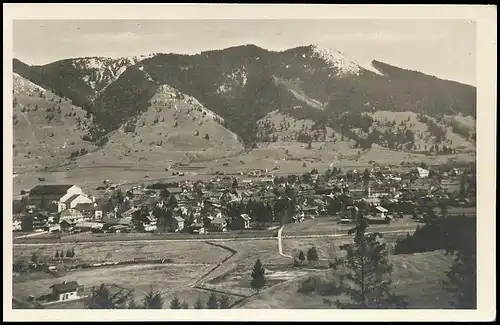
{"x": 418, "y": 275}
{"x": 179, "y": 252}
{"x": 167, "y": 278}
{"x": 224, "y": 267}
{"x": 289, "y": 157}
{"x": 329, "y": 225}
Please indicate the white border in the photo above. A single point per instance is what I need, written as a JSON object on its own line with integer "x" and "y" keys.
{"x": 485, "y": 17}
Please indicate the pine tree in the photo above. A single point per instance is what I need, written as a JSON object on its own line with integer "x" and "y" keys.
{"x": 175, "y": 303}
{"x": 68, "y": 253}
{"x": 224, "y": 302}
{"x": 72, "y": 252}
{"x": 198, "y": 304}
{"x": 258, "y": 276}
{"x": 102, "y": 298}
{"x": 153, "y": 300}
{"x": 462, "y": 276}
{"x": 462, "y": 191}
{"x": 57, "y": 253}
{"x": 61, "y": 255}
{"x": 212, "y": 302}
{"x": 302, "y": 257}
{"x": 312, "y": 255}
{"x": 185, "y": 305}
{"x": 366, "y": 265}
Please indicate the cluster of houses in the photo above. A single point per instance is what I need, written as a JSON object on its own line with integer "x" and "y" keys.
{"x": 229, "y": 203}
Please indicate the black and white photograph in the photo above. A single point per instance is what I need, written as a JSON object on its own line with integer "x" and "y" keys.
{"x": 284, "y": 164}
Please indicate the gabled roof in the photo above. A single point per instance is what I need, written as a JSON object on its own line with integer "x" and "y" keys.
{"x": 50, "y": 189}
{"x": 65, "y": 286}
{"x": 117, "y": 221}
{"x": 71, "y": 198}
{"x": 174, "y": 190}
{"x": 85, "y": 207}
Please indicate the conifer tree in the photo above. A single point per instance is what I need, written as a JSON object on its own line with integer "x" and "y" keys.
{"x": 224, "y": 302}
{"x": 462, "y": 276}
{"x": 301, "y": 256}
{"x": 258, "y": 276}
{"x": 367, "y": 267}
{"x": 212, "y": 302}
{"x": 175, "y": 303}
{"x": 152, "y": 299}
{"x": 102, "y": 298}
{"x": 312, "y": 255}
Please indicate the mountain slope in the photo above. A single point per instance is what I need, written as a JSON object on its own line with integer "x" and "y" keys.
{"x": 243, "y": 84}
{"x": 174, "y": 127}
{"x": 47, "y": 129}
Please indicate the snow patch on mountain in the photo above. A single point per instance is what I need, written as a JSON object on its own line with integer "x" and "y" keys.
{"x": 340, "y": 62}
{"x": 167, "y": 92}
{"x": 99, "y": 72}
{"x": 23, "y": 85}
{"x": 345, "y": 66}
{"x": 237, "y": 76}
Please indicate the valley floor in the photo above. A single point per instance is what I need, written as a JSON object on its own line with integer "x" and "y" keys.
{"x": 277, "y": 158}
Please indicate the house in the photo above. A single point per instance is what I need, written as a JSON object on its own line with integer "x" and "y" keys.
{"x": 89, "y": 210}
{"x": 36, "y": 221}
{"x": 150, "y": 224}
{"x": 381, "y": 212}
{"x": 198, "y": 228}
{"x": 16, "y": 225}
{"x": 218, "y": 224}
{"x": 178, "y": 223}
{"x": 88, "y": 226}
{"x": 71, "y": 215}
{"x": 53, "y": 228}
{"x": 67, "y": 225}
{"x": 43, "y": 196}
{"x": 173, "y": 190}
{"x": 240, "y": 222}
{"x": 66, "y": 291}
{"x": 113, "y": 222}
{"x": 422, "y": 173}
{"x": 75, "y": 199}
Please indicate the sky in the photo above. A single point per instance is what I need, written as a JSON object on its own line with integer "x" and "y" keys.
{"x": 445, "y": 48}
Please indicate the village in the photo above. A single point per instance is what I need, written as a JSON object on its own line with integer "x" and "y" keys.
{"x": 256, "y": 203}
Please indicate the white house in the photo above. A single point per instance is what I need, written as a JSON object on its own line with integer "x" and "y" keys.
{"x": 422, "y": 173}
{"x": 76, "y": 199}
{"x": 66, "y": 291}
{"x": 62, "y": 196}
{"x": 381, "y": 211}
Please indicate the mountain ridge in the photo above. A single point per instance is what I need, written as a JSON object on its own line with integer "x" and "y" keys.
{"x": 243, "y": 84}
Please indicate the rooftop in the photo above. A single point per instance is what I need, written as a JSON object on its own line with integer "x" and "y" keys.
{"x": 53, "y": 189}
{"x": 65, "y": 286}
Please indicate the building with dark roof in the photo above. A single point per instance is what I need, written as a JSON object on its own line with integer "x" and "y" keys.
{"x": 66, "y": 291}
{"x": 56, "y": 197}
